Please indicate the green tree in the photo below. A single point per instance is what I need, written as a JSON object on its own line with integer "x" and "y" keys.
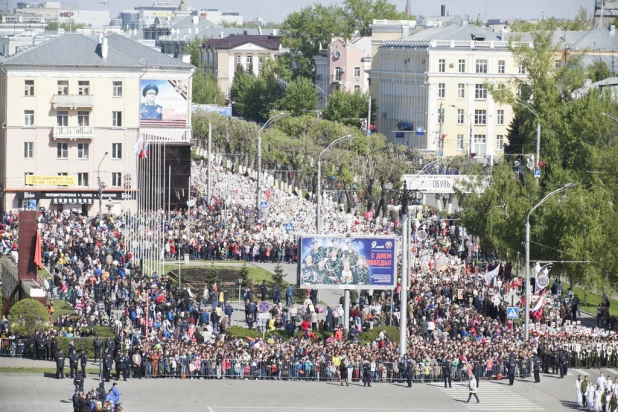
{"x": 211, "y": 274}
{"x": 193, "y": 49}
{"x": 243, "y": 273}
{"x": 581, "y": 22}
{"x": 27, "y": 316}
{"x": 598, "y": 71}
{"x": 299, "y": 97}
{"x": 361, "y": 13}
{"x": 243, "y": 81}
{"x": 348, "y": 108}
{"x": 206, "y": 89}
{"x": 278, "y": 275}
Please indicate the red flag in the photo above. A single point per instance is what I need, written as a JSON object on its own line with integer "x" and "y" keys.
{"x": 38, "y": 259}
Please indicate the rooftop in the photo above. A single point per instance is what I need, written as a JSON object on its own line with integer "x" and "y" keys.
{"x": 77, "y": 50}
{"x": 232, "y": 41}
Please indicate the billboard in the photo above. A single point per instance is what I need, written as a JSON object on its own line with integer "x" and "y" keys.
{"x": 163, "y": 103}
{"x": 51, "y": 180}
{"x": 327, "y": 262}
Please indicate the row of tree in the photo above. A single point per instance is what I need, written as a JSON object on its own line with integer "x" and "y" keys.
{"x": 578, "y": 145}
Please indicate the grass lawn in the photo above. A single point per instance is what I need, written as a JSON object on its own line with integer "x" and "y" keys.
{"x": 593, "y": 301}
{"x": 255, "y": 273}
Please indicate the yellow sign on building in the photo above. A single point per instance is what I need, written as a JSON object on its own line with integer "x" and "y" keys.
{"x": 51, "y": 180}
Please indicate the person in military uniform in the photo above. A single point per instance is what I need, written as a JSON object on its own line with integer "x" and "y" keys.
{"x": 361, "y": 271}
{"x": 350, "y": 254}
{"x": 107, "y": 366}
{"x": 334, "y": 247}
{"x": 73, "y": 362}
{"x": 308, "y": 271}
{"x": 333, "y": 266}
{"x": 83, "y": 360}
{"x": 317, "y": 252}
{"x": 537, "y": 368}
{"x": 150, "y": 109}
{"x": 60, "y": 364}
{"x": 321, "y": 274}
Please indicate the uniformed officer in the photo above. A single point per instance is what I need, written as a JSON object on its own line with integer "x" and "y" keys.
{"x": 512, "y": 364}
{"x": 409, "y": 372}
{"x": 73, "y": 361}
{"x": 366, "y": 374}
{"x": 79, "y": 382}
{"x": 446, "y": 372}
{"x": 60, "y": 364}
{"x": 83, "y": 360}
{"x": 537, "y": 368}
{"x": 150, "y": 109}
{"x": 107, "y": 366}
{"x": 562, "y": 362}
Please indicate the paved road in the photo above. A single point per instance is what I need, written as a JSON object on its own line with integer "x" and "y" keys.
{"x": 38, "y": 393}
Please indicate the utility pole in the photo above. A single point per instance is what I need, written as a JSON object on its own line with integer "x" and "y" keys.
{"x": 100, "y": 189}
{"x": 441, "y": 121}
{"x": 368, "y": 132}
{"x": 209, "y": 173}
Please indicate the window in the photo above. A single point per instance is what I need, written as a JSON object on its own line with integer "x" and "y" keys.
{"x": 481, "y": 66}
{"x": 237, "y": 59}
{"x": 338, "y": 73}
{"x": 500, "y": 142}
{"x": 480, "y": 92}
{"x": 62, "y": 118}
{"x": 63, "y": 174}
{"x": 63, "y": 87}
{"x": 462, "y": 66}
{"x": 83, "y": 87}
{"x": 28, "y": 150}
{"x": 442, "y": 65}
{"x": 557, "y": 64}
{"x": 117, "y": 89}
{"x": 461, "y": 91}
{"x": 62, "y": 150}
{"x": 83, "y": 118}
{"x": 500, "y": 117}
{"x": 82, "y": 150}
{"x": 441, "y": 90}
{"x": 357, "y": 88}
{"x": 480, "y": 117}
{"x": 460, "y": 141}
{"x": 116, "y": 150}
{"x": 501, "y": 66}
{"x": 249, "y": 59}
{"x": 479, "y": 144}
{"x": 357, "y": 72}
{"x": 116, "y": 179}
{"x": 29, "y": 118}
{"x": 28, "y": 87}
{"x": 460, "y": 116}
{"x": 522, "y": 69}
{"x": 117, "y": 119}
{"x": 27, "y": 174}
{"x": 82, "y": 179}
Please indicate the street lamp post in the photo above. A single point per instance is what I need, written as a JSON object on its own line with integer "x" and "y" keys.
{"x": 258, "y": 209}
{"x": 470, "y": 130}
{"x": 318, "y": 212}
{"x": 560, "y": 190}
{"x": 239, "y": 301}
{"x": 100, "y": 189}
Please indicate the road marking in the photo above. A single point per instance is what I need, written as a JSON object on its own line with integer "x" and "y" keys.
{"x": 581, "y": 372}
{"x": 210, "y": 409}
{"x": 614, "y": 371}
{"x": 294, "y": 408}
{"x": 493, "y": 396}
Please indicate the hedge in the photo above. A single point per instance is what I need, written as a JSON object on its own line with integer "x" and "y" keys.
{"x": 101, "y": 331}
{"x": 80, "y": 344}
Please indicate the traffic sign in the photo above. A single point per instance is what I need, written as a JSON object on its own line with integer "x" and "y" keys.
{"x": 263, "y": 306}
{"x": 512, "y": 313}
{"x": 264, "y": 316}
{"x": 289, "y": 227}
{"x": 441, "y": 153}
{"x": 537, "y": 172}
{"x": 263, "y": 204}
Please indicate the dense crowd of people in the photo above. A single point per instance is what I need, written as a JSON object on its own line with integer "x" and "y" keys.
{"x": 458, "y": 326}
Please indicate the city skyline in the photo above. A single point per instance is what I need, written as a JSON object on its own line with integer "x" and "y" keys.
{"x": 273, "y": 10}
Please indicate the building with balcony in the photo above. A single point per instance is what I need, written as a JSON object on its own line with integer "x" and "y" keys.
{"x": 431, "y": 94}
{"x": 221, "y": 57}
{"x": 343, "y": 65}
{"x": 73, "y": 110}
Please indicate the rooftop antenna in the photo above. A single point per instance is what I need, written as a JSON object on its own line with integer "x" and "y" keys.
{"x": 408, "y": 9}
{"x": 104, "y": 3}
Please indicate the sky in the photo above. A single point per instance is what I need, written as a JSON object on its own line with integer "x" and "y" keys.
{"x": 276, "y": 10}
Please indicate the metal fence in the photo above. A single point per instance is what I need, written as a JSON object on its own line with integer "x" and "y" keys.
{"x": 17, "y": 348}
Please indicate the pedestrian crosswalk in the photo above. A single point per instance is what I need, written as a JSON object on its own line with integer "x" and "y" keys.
{"x": 493, "y": 397}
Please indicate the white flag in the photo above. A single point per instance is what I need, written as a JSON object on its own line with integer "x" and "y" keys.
{"x": 489, "y": 276}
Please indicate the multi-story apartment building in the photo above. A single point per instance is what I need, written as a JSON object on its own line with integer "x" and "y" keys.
{"x": 221, "y": 57}
{"x": 432, "y": 94}
{"x": 343, "y": 65}
{"x": 73, "y": 109}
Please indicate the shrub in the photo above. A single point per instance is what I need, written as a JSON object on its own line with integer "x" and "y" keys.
{"x": 80, "y": 344}
{"x": 392, "y": 333}
{"x": 62, "y": 307}
{"x": 27, "y": 316}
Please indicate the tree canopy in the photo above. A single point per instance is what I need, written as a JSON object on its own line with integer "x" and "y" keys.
{"x": 27, "y": 316}
{"x": 577, "y": 146}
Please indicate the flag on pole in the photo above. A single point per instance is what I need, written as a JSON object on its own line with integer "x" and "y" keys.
{"x": 38, "y": 261}
{"x": 141, "y": 148}
{"x": 489, "y": 276}
{"x": 137, "y": 147}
